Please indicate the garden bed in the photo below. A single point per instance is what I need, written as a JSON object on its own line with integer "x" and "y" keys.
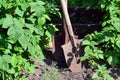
{"x": 84, "y": 21}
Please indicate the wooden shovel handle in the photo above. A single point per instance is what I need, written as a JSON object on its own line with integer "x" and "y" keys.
{"x": 65, "y": 28}
{"x": 68, "y": 22}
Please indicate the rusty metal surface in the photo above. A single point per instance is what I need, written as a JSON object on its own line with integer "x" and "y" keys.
{"x": 71, "y": 61}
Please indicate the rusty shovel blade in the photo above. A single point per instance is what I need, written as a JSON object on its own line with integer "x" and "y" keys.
{"x": 70, "y": 58}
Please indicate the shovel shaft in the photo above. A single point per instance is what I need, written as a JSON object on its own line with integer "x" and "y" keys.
{"x": 68, "y": 22}
{"x": 65, "y": 28}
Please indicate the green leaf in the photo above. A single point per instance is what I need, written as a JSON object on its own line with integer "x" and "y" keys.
{"x": 98, "y": 53}
{"x": 18, "y": 23}
{"x": 18, "y": 2}
{"x": 8, "y": 21}
{"x": 37, "y": 8}
{"x": 22, "y": 20}
{"x": 9, "y": 46}
{"x": 110, "y": 59}
{"x": 2, "y": 20}
{"x": 95, "y": 76}
{"x": 84, "y": 58}
{"x": 40, "y": 3}
{"x": 101, "y": 56}
{"x": 14, "y": 33}
{"x": 88, "y": 50}
{"x": 24, "y": 6}
{"x": 6, "y": 58}
{"x": 30, "y": 27}
{"x": 7, "y": 51}
{"x": 117, "y": 26}
{"x": 40, "y": 10}
{"x": 14, "y": 60}
{"x": 93, "y": 43}
{"x": 118, "y": 42}
{"x": 19, "y": 49}
{"x": 32, "y": 19}
{"x": 86, "y": 42}
{"x": 21, "y": 60}
{"x": 49, "y": 35}
{"x": 31, "y": 49}
{"x": 1, "y": 62}
{"x": 11, "y": 71}
{"x": 26, "y": 66}
{"x": 24, "y": 40}
{"x": 38, "y": 49}
{"x": 35, "y": 40}
{"x": 41, "y": 21}
{"x": 39, "y": 30}
{"x": 47, "y": 17}
{"x": 104, "y": 23}
{"x": 31, "y": 69}
{"x": 4, "y": 62}
{"x": 5, "y": 66}
{"x": 102, "y": 6}
{"x": 19, "y": 12}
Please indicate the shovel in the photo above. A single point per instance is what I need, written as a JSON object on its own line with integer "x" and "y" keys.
{"x": 70, "y": 48}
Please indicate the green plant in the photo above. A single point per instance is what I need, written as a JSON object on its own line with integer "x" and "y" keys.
{"x": 24, "y": 32}
{"x": 102, "y": 74}
{"x": 105, "y": 45}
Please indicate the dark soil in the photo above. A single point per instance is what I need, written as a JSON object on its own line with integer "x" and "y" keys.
{"x": 60, "y": 74}
{"x": 52, "y": 72}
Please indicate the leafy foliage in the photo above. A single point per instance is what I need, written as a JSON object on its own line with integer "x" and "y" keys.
{"x": 23, "y": 28}
{"x": 105, "y": 45}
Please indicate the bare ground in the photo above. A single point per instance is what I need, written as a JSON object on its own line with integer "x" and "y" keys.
{"x": 52, "y": 72}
